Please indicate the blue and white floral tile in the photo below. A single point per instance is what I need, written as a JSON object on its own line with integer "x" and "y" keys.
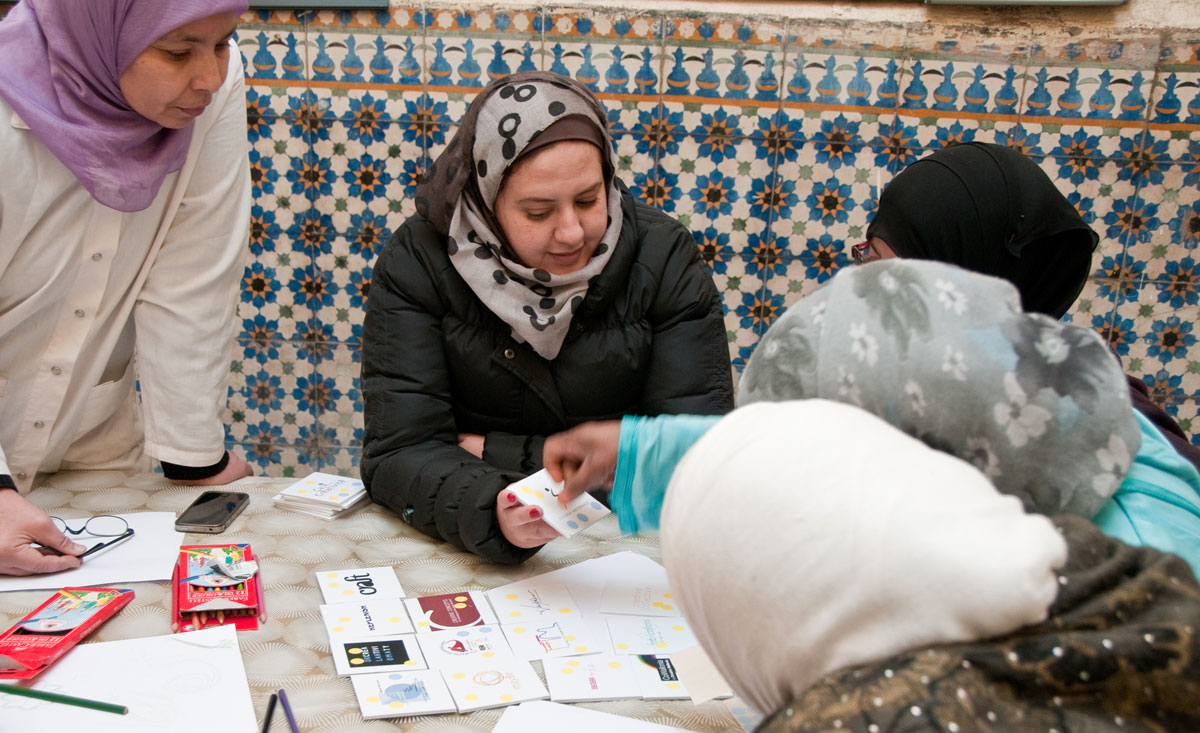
{"x": 732, "y": 87}
{"x": 332, "y": 458}
{"x": 1174, "y": 110}
{"x": 337, "y": 402}
{"x": 716, "y": 192}
{"x": 1163, "y": 340}
{"x": 263, "y": 386}
{"x": 1171, "y": 213}
{"x": 1187, "y": 413}
{"x": 349, "y": 283}
{"x": 1096, "y": 302}
{"x": 1096, "y": 187}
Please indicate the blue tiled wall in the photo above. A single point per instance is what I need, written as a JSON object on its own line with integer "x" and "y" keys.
{"x": 770, "y": 138}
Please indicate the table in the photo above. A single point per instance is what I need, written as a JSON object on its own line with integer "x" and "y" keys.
{"x": 291, "y": 649}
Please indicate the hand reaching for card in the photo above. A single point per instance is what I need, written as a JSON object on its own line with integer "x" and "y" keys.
{"x": 584, "y": 457}
{"x": 522, "y": 525}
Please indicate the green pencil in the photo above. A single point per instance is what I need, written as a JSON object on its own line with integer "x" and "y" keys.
{"x": 106, "y": 707}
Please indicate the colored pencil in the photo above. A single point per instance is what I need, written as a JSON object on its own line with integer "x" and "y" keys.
{"x": 270, "y": 711}
{"x": 106, "y": 707}
{"x": 287, "y": 710}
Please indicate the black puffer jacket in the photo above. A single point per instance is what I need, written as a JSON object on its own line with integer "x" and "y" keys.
{"x": 648, "y": 339}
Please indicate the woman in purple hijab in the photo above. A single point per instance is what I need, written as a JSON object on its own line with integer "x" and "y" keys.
{"x": 124, "y": 212}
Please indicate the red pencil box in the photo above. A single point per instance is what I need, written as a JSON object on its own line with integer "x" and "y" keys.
{"x": 203, "y": 596}
{"x": 37, "y": 640}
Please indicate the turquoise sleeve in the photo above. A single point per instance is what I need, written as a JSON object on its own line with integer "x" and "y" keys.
{"x": 1158, "y": 504}
{"x": 649, "y": 449}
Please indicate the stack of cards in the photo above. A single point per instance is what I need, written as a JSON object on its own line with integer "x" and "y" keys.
{"x": 542, "y": 491}
{"x": 322, "y": 495}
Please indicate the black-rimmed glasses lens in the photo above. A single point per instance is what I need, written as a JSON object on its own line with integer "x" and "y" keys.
{"x": 861, "y": 253}
{"x": 112, "y": 528}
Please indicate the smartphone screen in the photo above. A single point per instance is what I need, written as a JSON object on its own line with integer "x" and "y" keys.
{"x": 212, "y": 511}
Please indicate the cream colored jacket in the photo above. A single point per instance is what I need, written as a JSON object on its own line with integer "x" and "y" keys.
{"x": 94, "y": 301}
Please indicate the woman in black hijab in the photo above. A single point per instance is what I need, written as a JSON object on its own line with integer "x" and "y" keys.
{"x": 991, "y": 209}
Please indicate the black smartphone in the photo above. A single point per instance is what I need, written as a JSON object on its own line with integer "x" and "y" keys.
{"x": 212, "y": 511}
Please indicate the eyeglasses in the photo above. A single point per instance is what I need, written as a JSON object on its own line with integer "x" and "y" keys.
{"x": 862, "y": 253}
{"x": 114, "y": 529}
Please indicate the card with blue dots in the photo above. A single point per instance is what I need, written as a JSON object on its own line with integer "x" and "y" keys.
{"x": 542, "y": 491}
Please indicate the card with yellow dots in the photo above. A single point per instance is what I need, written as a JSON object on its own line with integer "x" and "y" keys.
{"x": 542, "y": 491}
{"x": 453, "y": 647}
{"x": 386, "y": 617}
{"x": 628, "y": 596}
{"x": 587, "y": 679}
{"x": 649, "y": 634}
{"x": 531, "y": 600}
{"x": 359, "y": 584}
{"x": 562, "y": 637}
{"x": 395, "y": 654}
{"x": 449, "y": 611}
{"x": 396, "y": 694}
{"x": 501, "y": 681}
{"x": 658, "y": 678}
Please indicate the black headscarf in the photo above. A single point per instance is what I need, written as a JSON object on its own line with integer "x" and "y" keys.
{"x": 990, "y": 209}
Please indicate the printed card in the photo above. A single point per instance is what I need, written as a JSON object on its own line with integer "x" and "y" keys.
{"x": 393, "y": 694}
{"x": 585, "y": 679}
{"x": 562, "y": 637}
{"x": 449, "y": 611}
{"x": 531, "y": 601}
{"x": 540, "y": 490}
{"x": 456, "y": 647}
{"x": 501, "y": 681}
{"x": 396, "y": 654}
{"x": 355, "y": 584}
{"x": 649, "y": 634}
{"x": 385, "y": 617}
{"x": 637, "y": 599}
{"x": 326, "y": 488}
{"x": 658, "y": 679}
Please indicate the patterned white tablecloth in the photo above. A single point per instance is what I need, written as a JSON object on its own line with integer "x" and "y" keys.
{"x": 291, "y": 650}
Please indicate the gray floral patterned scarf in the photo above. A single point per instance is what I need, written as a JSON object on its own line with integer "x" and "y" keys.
{"x": 946, "y": 355}
{"x": 460, "y": 190}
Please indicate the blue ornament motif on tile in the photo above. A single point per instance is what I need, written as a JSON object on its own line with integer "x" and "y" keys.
{"x": 798, "y": 86}
{"x": 262, "y": 392}
{"x": 262, "y": 443}
{"x": 1169, "y": 339}
{"x": 772, "y": 199}
{"x": 1039, "y": 100}
{"x": 616, "y": 77}
{"x": 381, "y": 65}
{"x": 837, "y": 142}
{"x": 439, "y": 70}
{"x": 757, "y": 312}
{"x": 945, "y": 95}
{"x": 470, "y": 73}
{"x": 1022, "y": 141}
{"x": 765, "y": 255}
{"x": 1078, "y": 157}
{"x": 975, "y": 96}
{"x": 829, "y": 89}
{"x": 1118, "y": 332}
{"x": 409, "y": 69}
{"x": 352, "y": 66}
{"x": 368, "y": 119}
{"x": 369, "y": 231}
{"x": 588, "y": 75}
{"x": 1166, "y": 109}
{"x": 312, "y": 287}
{"x": 1141, "y": 159}
{"x": 557, "y": 66}
{"x": 315, "y": 340}
{"x": 1185, "y": 232}
{"x": 1132, "y": 221}
{"x": 1102, "y": 101}
{"x": 262, "y": 339}
{"x": 898, "y": 151}
{"x": 678, "y": 80}
{"x": 293, "y": 65}
{"x": 830, "y": 202}
{"x": 713, "y": 195}
{"x": 310, "y": 175}
{"x": 368, "y": 178}
{"x": 1070, "y": 102}
{"x": 888, "y": 93}
{"x": 767, "y": 86}
{"x": 1133, "y": 104}
{"x": 264, "y": 230}
{"x": 859, "y": 89}
{"x": 322, "y": 64}
{"x": 259, "y": 285}
{"x": 498, "y": 67}
{"x": 737, "y": 83}
{"x": 915, "y": 92}
{"x": 262, "y": 174}
{"x": 1182, "y": 284}
{"x": 778, "y": 138}
{"x": 312, "y": 233}
{"x": 1084, "y": 205}
{"x": 658, "y": 188}
{"x": 716, "y": 133}
{"x": 708, "y": 84}
{"x": 264, "y": 61}
{"x": 1006, "y": 98}
{"x": 527, "y": 58}
{"x": 316, "y": 394}
{"x": 714, "y": 248}
{"x": 823, "y": 257}
{"x": 645, "y": 80}
{"x": 955, "y": 134}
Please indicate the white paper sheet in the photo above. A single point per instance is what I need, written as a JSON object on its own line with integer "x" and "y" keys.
{"x": 542, "y": 715}
{"x": 181, "y": 683}
{"x": 149, "y": 554}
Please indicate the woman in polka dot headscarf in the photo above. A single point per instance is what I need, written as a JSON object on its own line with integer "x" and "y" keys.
{"x": 530, "y": 293}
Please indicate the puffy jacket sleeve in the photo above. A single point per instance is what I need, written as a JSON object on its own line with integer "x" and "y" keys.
{"x": 689, "y": 371}
{"x": 411, "y": 460}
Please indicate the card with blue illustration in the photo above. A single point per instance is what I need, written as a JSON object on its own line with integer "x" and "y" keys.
{"x": 396, "y": 694}
{"x": 553, "y": 637}
{"x": 542, "y": 491}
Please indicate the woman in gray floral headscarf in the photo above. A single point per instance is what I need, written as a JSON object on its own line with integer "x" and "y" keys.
{"x": 948, "y": 357}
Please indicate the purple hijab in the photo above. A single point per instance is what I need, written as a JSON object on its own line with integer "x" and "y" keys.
{"x": 63, "y": 60}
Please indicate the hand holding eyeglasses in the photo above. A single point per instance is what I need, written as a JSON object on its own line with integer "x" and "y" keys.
{"x": 23, "y": 527}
